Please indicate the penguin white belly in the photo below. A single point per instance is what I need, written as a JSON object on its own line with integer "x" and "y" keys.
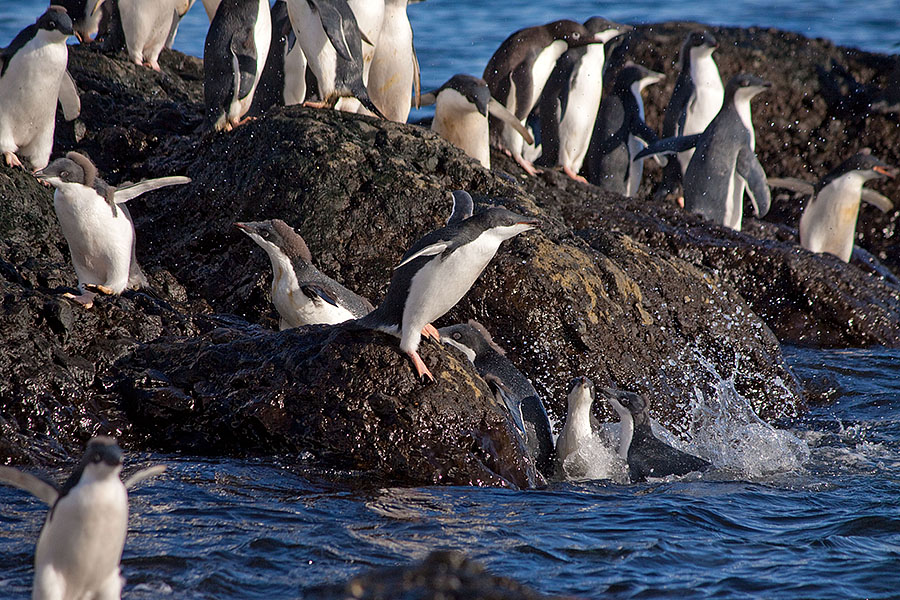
{"x": 828, "y": 223}
{"x": 262, "y": 36}
{"x": 577, "y": 123}
{"x": 459, "y": 122}
{"x": 294, "y": 76}
{"x": 441, "y": 283}
{"x": 99, "y": 243}
{"x": 320, "y": 54}
{"x": 296, "y": 308}
{"x": 28, "y": 94}
{"x": 635, "y": 167}
{"x": 391, "y": 74}
{"x": 705, "y": 102}
{"x": 80, "y": 546}
{"x": 369, "y": 18}
{"x": 146, "y": 26}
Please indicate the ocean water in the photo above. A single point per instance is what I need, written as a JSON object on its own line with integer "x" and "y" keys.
{"x": 828, "y": 527}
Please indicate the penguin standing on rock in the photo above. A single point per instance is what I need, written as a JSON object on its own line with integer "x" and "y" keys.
{"x": 97, "y": 225}
{"x": 395, "y": 68}
{"x": 828, "y": 223}
{"x": 234, "y": 57}
{"x": 302, "y": 294}
{"x": 724, "y": 162}
{"x": 518, "y": 71}
{"x": 510, "y": 387}
{"x": 32, "y": 78}
{"x": 646, "y": 455}
{"x": 436, "y": 272}
{"x": 462, "y": 106}
{"x": 80, "y": 545}
{"x": 147, "y": 27}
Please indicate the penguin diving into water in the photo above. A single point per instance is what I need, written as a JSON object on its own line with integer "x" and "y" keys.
{"x": 80, "y": 545}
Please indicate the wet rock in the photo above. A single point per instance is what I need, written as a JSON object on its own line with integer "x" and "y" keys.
{"x": 443, "y": 574}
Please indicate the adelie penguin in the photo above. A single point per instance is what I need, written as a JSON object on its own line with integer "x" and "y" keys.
{"x": 85, "y": 15}
{"x": 80, "y": 545}
{"x": 510, "y": 387}
{"x": 148, "y": 26}
{"x": 436, "y": 272}
{"x": 696, "y": 100}
{"x": 462, "y": 106}
{"x": 330, "y": 37}
{"x": 828, "y": 223}
{"x": 395, "y": 67}
{"x": 518, "y": 70}
{"x": 646, "y": 455}
{"x": 97, "y": 225}
{"x": 571, "y": 98}
{"x": 283, "y": 80}
{"x": 301, "y": 293}
{"x": 234, "y": 56}
{"x": 724, "y": 164}
{"x": 579, "y": 426}
{"x": 620, "y": 133}
{"x": 32, "y": 78}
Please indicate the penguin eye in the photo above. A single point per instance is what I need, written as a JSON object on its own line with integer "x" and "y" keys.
{"x": 64, "y": 174}
{"x": 51, "y": 25}
{"x": 575, "y": 35}
{"x": 457, "y": 336}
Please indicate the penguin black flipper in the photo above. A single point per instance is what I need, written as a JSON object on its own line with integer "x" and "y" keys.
{"x": 42, "y": 489}
{"x": 534, "y": 416}
{"x": 243, "y": 52}
{"x": 670, "y": 145}
{"x": 68, "y": 97}
{"x": 463, "y": 206}
{"x": 643, "y": 132}
{"x": 340, "y": 27}
{"x": 749, "y": 168}
{"x": 651, "y": 457}
{"x": 315, "y": 291}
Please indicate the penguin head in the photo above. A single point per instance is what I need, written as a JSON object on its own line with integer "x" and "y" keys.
{"x": 744, "y": 86}
{"x": 503, "y": 223}
{"x": 636, "y": 78}
{"x": 470, "y": 338}
{"x": 277, "y": 237}
{"x": 56, "y": 22}
{"x": 604, "y": 30}
{"x": 572, "y": 33}
{"x": 469, "y": 92}
{"x": 580, "y": 394}
{"x": 102, "y": 457}
{"x": 868, "y": 166}
{"x": 74, "y": 169}
{"x": 699, "y": 44}
{"x": 628, "y": 405}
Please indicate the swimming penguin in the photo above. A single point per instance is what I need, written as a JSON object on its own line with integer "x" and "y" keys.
{"x": 85, "y": 15}
{"x": 80, "y": 545}
{"x": 97, "y": 225}
{"x": 283, "y": 80}
{"x": 462, "y": 106}
{"x": 147, "y": 26}
{"x": 696, "y": 100}
{"x": 234, "y": 57}
{"x": 32, "y": 77}
{"x": 301, "y": 293}
{"x": 571, "y": 98}
{"x": 646, "y": 455}
{"x": 436, "y": 272}
{"x": 328, "y": 33}
{"x": 828, "y": 223}
{"x": 578, "y": 429}
{"x": 518, "y": 70}
{"x": 395, "y": 68}
{"x": 510, "y": 386}
{"x": 620, "y": 133}
{"x": 463, "y": 207}
{"x": 724, "y": 163}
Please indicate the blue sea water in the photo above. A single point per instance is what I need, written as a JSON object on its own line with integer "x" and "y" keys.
{"x": 826, "y": 528}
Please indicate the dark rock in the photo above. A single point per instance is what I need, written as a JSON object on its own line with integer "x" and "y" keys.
{"x": 446, "y": 575}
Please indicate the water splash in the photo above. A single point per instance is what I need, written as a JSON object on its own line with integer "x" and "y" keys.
{"x": 596, "y": 459}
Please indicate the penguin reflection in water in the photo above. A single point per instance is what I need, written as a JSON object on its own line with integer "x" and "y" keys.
{"x": 80, "y": 545}
{"x": 97, "y": 225}
{"x": 436, "y": 272}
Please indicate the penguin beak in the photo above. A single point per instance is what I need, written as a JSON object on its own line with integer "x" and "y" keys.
{"x": 243, "y": 227}
{"x": 889, "y": 172}
{"x": 534, "y": 223}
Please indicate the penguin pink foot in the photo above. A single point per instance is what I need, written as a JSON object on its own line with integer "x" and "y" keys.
{"x": 419, "y": 364}
{"x": 527, "y": 165}
{"x": 86, "y": 299}
{"x": 568, "y": 171}
{"x": 430, "y": 331}
{"x": 12, "y": 160}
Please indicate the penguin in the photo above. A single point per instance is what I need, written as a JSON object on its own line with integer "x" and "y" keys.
{"x": 301, "y": 293}
{"x": 32, "y": 74}
{"x": 436, "y": 272}
{"x": 724, "y": 163}
{"x": 828, "y": 223}
{"x": 463, "y": 207}
{"x": 462, "y": 106}
{"x": 518, "y": 70}
{"x": 369, "y": 15}
{"x": 328, "y": 33}
{"x": 147, "y": 26}
{"x": 696, "y": 100}
{"x": 571, "y": 98}
{"x": 234, "y": 56}
{"x": 80, "y": 545}
{"x": 283, "y": 80}
{"x": 395, "y": 67}
{"x": 578, "y": 429}
{"x": 97, "y": 225}
{"x": 85, "y": 15}
{"x": 646, "y": 455}
{"x": 620, "y": 133}
{"x": 211, "y": 6}
{"x": 181, "y": 9}
{"x": 510, "y": 387}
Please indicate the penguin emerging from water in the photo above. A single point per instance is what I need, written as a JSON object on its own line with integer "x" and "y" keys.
{"x": 395, "y": 67}
{"x": 80, "y": 545}
{"x": 234, "y": 57}
{"x": 518, "y": 70}
{"x": 828, "y": 223}
{"x": 436, "y": 272}
{"x": 301, "y": 293}
{"x": 724, "y": 163}
{"x": 696, "y": 100}
{"x": 147, "y": 27}
{"x": 329, "y": 35}
{"x": 620, "y": 133}
{"x": 32, "y": 78}
{"x": 571, "y": 98}
{"x": 97, "y": 225}
{"x": 85, "y": 15}
{"x": 646, "y": 455}
{"x": 579, "y": 426}
{"x": 462, "y": 106}
{"x": 510, "y": 386}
